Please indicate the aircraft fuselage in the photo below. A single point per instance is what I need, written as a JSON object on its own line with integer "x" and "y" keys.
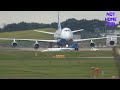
{"x": 65, "y": 34}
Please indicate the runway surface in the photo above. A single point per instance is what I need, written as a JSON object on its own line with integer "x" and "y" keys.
{"x": 80, "y": 49}
{"x": 41, "y": 49}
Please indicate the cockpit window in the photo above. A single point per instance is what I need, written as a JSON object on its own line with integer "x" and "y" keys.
{"x": 67, "y": 30}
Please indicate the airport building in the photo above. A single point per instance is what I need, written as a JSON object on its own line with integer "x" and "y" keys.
{"x": 110, "y": 33}
{"x": 76, "y": 36}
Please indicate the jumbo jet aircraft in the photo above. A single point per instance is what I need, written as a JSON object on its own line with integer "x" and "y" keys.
{"x": 62, "y": 37}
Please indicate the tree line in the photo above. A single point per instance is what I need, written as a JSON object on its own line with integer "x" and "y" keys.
{"x": 90, "y": 26}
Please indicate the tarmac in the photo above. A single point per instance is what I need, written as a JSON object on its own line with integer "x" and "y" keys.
{"x": 80, "y": 49}
{"x": 40, "y": 49}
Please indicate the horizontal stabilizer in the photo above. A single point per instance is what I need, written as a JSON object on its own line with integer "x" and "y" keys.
{"x": 77, "y": 30}
{"x": 44, "y": 32}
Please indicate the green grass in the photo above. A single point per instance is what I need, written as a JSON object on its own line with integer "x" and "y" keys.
{"x": 29, "y": 34}
{"x": 21, "y": 64}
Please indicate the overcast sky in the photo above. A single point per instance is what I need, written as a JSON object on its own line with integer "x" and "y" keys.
{"x": 7, "y": 17}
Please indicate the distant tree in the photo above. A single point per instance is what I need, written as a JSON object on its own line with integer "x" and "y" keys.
{"x": 0, "y": 30}
{"x": 54, "y": 25}
{"x": 89, "y": 26}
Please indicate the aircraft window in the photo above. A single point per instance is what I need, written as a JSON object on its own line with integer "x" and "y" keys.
{"x": 67, "y": 30}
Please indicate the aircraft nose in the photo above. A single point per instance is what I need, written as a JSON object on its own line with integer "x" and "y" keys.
{"x": 69, "y": 36}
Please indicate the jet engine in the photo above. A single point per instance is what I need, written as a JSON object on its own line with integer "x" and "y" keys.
{"x": 14, "y": 43}
{"x": 112, "y": 42}
{"x": 92, "y": 44}
{"x": 36, "y": 45}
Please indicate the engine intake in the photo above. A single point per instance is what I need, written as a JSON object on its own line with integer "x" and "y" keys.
{"x": 36, "y": 45}
{"x": 14, "y": 44}
{"x": 112, "y": 42}
{"x": 92, "y": 44}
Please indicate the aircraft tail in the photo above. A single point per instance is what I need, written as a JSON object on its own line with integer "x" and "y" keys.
{"x": 59, "y": 25}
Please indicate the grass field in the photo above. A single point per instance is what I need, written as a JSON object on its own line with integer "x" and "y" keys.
{"x": 25, "y": 65}
{"x": 28, "y": 34}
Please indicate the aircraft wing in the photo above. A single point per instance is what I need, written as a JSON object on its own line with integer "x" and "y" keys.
{"x": 79, "y": 40}
{"x": 54, "y": 41}
{"x": 44, "y": 32}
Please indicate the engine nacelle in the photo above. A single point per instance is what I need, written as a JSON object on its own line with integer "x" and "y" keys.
{"x": 112, "y": 42}
{"x": 36, "y": 45}
{"x": 14, "y": 44}
{"x": 92, "y": 44}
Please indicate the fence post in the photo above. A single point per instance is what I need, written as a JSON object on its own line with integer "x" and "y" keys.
{"x": 92, "y": 69}
{"x": 97, "y": 72}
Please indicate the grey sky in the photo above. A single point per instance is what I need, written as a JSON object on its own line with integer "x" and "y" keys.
{"x": 7, "y": 17}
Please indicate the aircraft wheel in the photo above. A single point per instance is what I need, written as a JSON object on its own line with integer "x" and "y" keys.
{"x": 76, "y": 49}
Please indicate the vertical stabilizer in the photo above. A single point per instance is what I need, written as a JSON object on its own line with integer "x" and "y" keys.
{"x": 59, "y": 25}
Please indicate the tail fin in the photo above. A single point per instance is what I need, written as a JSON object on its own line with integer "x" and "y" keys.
{"x": 59, "y": 25}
